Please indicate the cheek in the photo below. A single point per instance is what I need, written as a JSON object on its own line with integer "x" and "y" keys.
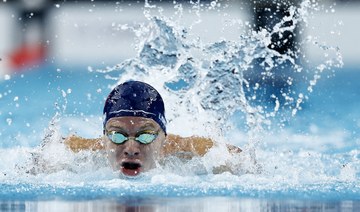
{"x": 109, "y": 146}
{"x": 153, "y": 150}
{"x": 112, "y": 150}
{"x": 150, "y": 154}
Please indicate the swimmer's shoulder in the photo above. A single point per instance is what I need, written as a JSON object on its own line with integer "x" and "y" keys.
{"x": 195, "y": 145}
{"x": 175, "y": 144}
{"x": 77, "y": 144}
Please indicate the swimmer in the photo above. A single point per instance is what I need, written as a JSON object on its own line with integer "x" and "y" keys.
{"x": 135, "y": 135}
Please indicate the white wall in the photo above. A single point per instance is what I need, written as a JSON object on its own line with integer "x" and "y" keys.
{"x": 82, "y": 37}
{"x": 340, "y": 28}
{"x": 7, "y": 23}
{"x": 7, "y": 29}
{"x": 86, "y": 35}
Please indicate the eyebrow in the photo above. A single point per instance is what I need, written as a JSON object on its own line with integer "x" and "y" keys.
{"x": 117, "y": 129}
{"x": 146, "y": 125}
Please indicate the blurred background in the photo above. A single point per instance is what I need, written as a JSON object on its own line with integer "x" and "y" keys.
{"x": 85, "y": 31}
{"x": 51, "y": 38}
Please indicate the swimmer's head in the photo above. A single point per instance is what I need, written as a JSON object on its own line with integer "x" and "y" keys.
{"x": 138, "y": 99}
{"x": 134, "y": 127}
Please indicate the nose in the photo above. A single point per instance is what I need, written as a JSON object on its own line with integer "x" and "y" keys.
{"x": 132, "y": 149}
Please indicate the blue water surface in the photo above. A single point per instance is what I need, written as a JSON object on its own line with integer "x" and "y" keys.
{"x": 31, "y": 98}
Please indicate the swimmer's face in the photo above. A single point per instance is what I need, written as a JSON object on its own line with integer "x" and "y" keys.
{"x": 132, "y": 157}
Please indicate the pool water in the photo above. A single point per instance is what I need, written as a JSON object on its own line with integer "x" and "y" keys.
{"x": 186, "y": 204}
{"x": 312, "y": 164}
{"x": 306, "y": 149}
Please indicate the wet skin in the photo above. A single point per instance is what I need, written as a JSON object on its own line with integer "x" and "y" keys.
{"x": 132, "y": 157}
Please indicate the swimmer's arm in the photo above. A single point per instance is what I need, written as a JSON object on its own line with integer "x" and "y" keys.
{"x": 76, "y": 143}
{"x": 188, "y": 147}
{"x": 194, "y": 145}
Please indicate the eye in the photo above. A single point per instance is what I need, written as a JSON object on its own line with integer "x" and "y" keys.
{"x": 146, "y": 138}
{"x": 117, "y": 137}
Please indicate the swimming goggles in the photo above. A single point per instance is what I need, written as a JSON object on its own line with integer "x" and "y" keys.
{"x": 145, "y": 137}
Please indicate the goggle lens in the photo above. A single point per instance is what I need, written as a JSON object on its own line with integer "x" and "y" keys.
{"x": 146, "y": 138}
{"x": 118, "y": 138}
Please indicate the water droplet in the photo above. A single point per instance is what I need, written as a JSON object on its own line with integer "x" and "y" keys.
{"x": 7, "y": 77}
{"x": 90, "y": 69}
{"x": 9, "y": 121}
{"x": 57, "y": 5}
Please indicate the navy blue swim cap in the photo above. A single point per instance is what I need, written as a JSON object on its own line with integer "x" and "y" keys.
{"x": 134, "y": 98}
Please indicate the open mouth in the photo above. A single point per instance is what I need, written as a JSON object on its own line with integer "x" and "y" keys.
{"x": 130, "y": 168}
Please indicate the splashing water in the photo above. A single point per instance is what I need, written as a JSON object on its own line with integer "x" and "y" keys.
{"x": 208, "y": 88}
{"x": 205, "y": 86}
